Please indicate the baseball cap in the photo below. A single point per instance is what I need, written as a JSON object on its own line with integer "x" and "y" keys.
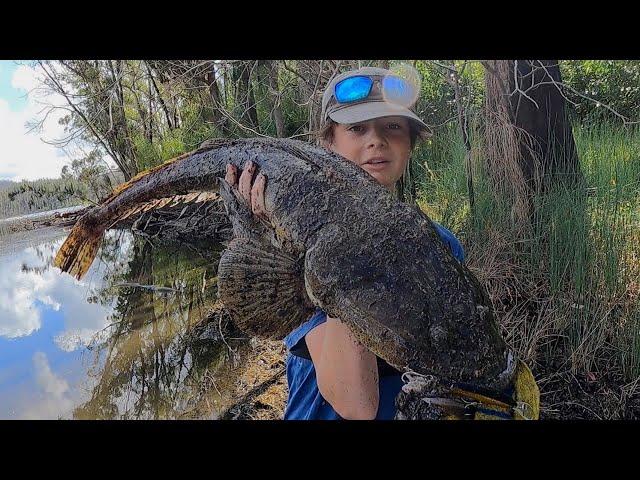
{"x": 376, "y": 104}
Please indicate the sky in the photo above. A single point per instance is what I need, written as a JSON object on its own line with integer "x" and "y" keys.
{"x": 24, "y": 155}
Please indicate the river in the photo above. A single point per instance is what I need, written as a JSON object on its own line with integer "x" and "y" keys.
{"x": 110, "y": 345}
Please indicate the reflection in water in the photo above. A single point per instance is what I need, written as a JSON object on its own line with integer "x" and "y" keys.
{"x": 131, "y": 350}
{"x": 150, "y": 364}
{"x": 29, "y": 286}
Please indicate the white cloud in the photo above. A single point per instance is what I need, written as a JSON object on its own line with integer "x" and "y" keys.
{"x": 25, "y": 78}
{"x": 25, "y": 155}
{"x": 48, "y": 381}
{"x": 19, "y": 291}
{"x": 56, "y": 401}
{"x": 22, "y": 291}
{"x": 18, "y": 315}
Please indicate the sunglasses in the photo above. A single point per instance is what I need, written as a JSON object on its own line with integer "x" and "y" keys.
{"x": 394, "y": 89}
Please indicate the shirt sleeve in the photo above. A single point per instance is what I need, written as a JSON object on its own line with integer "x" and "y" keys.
{"x": 292, "y": 340}
{"x": 451, "y": 240}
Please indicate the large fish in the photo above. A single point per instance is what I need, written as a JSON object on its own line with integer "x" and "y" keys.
{"x": 336, "y": 240}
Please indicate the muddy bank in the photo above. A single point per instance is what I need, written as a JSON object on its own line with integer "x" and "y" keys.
{"x": 251, "y": 386}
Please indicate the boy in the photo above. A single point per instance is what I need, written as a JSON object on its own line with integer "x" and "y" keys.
{"x": 367, "y": 119}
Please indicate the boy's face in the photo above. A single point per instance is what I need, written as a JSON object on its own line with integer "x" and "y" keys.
{"x": 381, "y": 147}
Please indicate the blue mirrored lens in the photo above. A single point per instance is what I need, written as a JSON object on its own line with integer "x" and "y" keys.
{"x": 397, "y": 90}
{"x": 353, "y": 89}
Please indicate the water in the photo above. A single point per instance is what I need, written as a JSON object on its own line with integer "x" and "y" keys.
{"x": 96, "y": 348}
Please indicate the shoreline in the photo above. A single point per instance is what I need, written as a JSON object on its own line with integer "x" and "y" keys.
{"x": 55, "y": 219}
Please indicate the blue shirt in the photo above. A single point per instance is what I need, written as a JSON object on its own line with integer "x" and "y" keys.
{"x": 305, "y": 401}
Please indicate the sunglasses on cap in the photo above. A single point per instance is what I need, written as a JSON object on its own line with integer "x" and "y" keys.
{"x": 392, "y": 89}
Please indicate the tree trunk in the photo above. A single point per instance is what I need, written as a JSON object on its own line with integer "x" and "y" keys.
{"x": 454, "y": 80}
{"x": 119, "y": 128}
{"x": 220, "y": 120}
{"x": 245, "y": 103}
{"x": 150, "y": 96}
{"x": 527, "y": 95}
{"x": 142, "y": 113}
{"x": 273, "y": 97}
{"x": 315, "y": 75}
{"x": 547, "y": 123}
{"x": 252, "y": 112}
{"x": 170, "y": 123}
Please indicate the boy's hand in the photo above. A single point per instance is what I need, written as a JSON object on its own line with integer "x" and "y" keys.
{"x": 251, "y": 191}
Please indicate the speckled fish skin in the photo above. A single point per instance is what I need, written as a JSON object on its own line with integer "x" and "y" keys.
{"x": 370, "y": 260}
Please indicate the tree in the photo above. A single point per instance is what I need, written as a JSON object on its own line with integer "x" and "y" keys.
{"x": 527, "y": 95}
{"x": 528, "y": 137}
{"x": 94, "y": 91}
{"x": 269, "y": 76}
{"x": 90, "y": 170}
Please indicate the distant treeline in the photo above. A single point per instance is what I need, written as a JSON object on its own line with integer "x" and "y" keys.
{"x": 21, "y": 198}
{"x": 6, "y": 184}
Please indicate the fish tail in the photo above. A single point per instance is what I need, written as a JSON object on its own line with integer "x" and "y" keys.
{"x": 78, "y": 251}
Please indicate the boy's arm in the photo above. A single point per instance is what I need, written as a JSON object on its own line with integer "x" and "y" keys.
{"x": 346, "y": 371}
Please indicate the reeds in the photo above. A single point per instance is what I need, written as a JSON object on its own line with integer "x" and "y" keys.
{"x": 566, "y": 282}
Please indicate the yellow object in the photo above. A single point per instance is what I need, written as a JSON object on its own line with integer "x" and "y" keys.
{"x": 527, "y": 394}
{"x": 526, "y": 400}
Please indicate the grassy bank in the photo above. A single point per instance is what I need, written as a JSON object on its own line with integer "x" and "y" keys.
{"x": 565, "y": 286}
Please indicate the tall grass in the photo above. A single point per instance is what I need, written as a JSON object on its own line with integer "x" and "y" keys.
{"x": 568, "y": 284}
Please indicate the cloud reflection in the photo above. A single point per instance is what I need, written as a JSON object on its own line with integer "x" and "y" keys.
{"x": 26, "y": 293}
{"x": 56, "y": 401}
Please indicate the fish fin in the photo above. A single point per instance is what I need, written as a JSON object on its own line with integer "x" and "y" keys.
{"x": 206, "y": 145}
{"x": 135, "y": 179}
{"x": 262, "y": 288}
{"x": 165, "y": 202}
{"x": 78, "y": 251}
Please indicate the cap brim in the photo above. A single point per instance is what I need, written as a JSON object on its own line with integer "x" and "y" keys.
{"x": 361, "y": 112}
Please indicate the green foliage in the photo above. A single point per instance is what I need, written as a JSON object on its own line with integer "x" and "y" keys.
{"x": 615, "y": 83}
{"x": 91, "y": 171}
{"x": 590, "y": 249}
{"x": 174, "y": 143}
{"x": 580, "y": 253}
{"x": 436, "y": 104}
{"x": 441, "y": 182}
